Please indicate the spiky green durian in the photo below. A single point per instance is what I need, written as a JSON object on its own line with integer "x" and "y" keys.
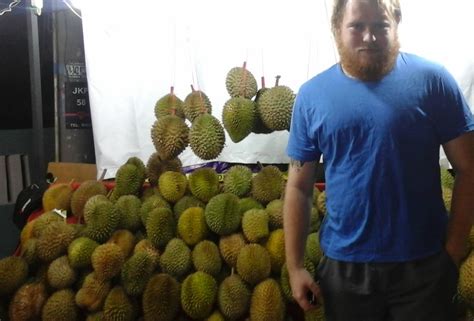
{"x": 240, "y": 82}
{"x": 260, "y": 127}
{"x": 248, "y": 203}
{"x": 238, "y": 180}
{"x": 186, "y": 202}
{"x": 466, "y": 280}
{"x": 58, "y": 196}
{"x": 156, "y": 166}
{"x": 101, "y": 218}
{"x": 321, "y": 203}
{"x": 198, "y": 294}
{"x": 222, "y": 214}
{"x": 170, "y": 136}
{"x": 315, "y": 221}
{"x": 267, "y": 185}
{"x": 129, "y": 178}
{"x": 275, "y": 107}
{"x": 162, "y": 288}
{"x": 40, "y": 223}
{"x": 60, "y": 274}
{"x": 136, "y": 272}
{"x": 275, "y": 246}
{"x": 313, "y": 250}
{"x": 192, "y": 227}
{"x": 267, "y": 302}
{"x": 447, "y": 179}
{"x": 195, "y": 104}
{"x": 176, "y": 259}
{"x": 152, "y": 202}
{"x": 27, "y": 302}
{"x": 13, "y": 273}
{"x": 160, "y": 226}
{"x": 92, "y": 294}
{"x": 206, "y": 137}
{"x": 128, "y": 208}
{"x": 85, "y": 191}
{"x": 60, "y": 307}
{"x": 172, "y": 185}
{"x": 233, "y": 297}
{"x": 118, "y": 306}
{"x": 447, "y": 195}
{"x": 28, "y": 251}
{"x": 80, "y": 251}
{"x": 147, "y": 247}
{"x": 125, "y": 240}
{"x": 253, "y": 263}
{"x": 216, "y": 316}
{"x": 238, "y": 117}
{"x": 275, "y": 214}
{"x": 54, "y": 240}
{"x": 255, "y": 225}
{"x": 204, "y": 183}
{"x": 315, "y": 314}
{"x": 169, "y": 104}
{"x": 107, "y": 260}
{"x": 206, "y": 257}
{"x": 230, "y": 246}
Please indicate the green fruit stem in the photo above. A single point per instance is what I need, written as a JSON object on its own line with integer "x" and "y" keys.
{"x": 277, "y": 80}
{"x": 244, "y": 79}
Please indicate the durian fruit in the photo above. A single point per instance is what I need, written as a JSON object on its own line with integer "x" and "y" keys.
{"x": 101, "y": 217}
{"x": 315, "y": 221}
{"x": 39, "y": 224}
{"x": 169, "y": 104}
{"x": 471, "y": 238}
{"x": 172, "y": 185}
{"x": 315, "y": 314}
{"x": 222, "y": 214}
{"x": 275, "y": 107}
{"x": 54, "y": 241}
{"x": 27, "y": 302}
{"x": 238, "y": 180}
{"x": 233, "y": 297}
{"x": 13, "y": 273}
{"x": 275, "y": 214}
{"x": 267, "y": 302}
{"x": 60, "y": 306}
{"x": 447, "y": 195}
{"x": 253, "y": 263}
{"x": 260, "y": 127}
{"x": 206, "y": 258}
{"x": 466, "y": 280}
{"x": 60, "y": 274}
{"x": 176, "y": 259}
{"x": 248, "y": 203}
{"x": 230, "y": 246}
{"x": 129, "y": 178}
{"x": 170, "y": 136}
{"x": 447, "y": 179}
{"x": 216, "y": 316}
{"x": 136, "y": 272}
{"x": 125, "y": 240}
{"x": 267, "y": 185}
{"x": 198, "y": 295}
{"x": 162, "y": 288}
{"x": 28, "y": 251}
{"x": 80, "y": 251}
{"x": 238, "y": 117}
{"x": 58, "y": 196}
{"x": 128, "y": 208}
{"x": 192, "y": 227}
{"x": 107, "y": 261}
{"x": 160, "y": 227}
{"x": 275, "y": 246}
{"x": 255, "y": 225}
{"x": 95, "y": 316}
{"x": 118, "y": 306}
{"x": 152, "y": 202}
{"x": 240, "y": 82}
{"x": 321, "y": 203}
{"x": 285, "y": 278}
{"x": 204, "y": 183}
{"x": 85, "y": 191}
{"x": 206, "y": 137}
{"x": 157, "y": 166}
{"x": 195, "y": 104}
{"x": 93, "y": 292}
{"x": 186, "y": 202}
{"x": 147, "y": 247}
{"x": 313, "y": 250}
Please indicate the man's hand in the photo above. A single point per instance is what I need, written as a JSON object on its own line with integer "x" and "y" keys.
{"x": 304, "y": 288}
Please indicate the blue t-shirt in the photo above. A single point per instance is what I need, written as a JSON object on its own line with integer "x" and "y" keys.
{"x": 380, "y": 144}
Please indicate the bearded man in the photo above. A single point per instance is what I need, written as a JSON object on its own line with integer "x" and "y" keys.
{"x": 378, "y": 118}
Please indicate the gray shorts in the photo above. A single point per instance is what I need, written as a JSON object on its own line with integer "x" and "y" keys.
{"x": 421, "y": 290}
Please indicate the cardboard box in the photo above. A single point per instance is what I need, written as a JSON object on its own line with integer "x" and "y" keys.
{"x": 77, "y": 172}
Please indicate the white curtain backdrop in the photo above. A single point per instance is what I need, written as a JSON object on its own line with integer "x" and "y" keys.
{"x": 136, "y": 50}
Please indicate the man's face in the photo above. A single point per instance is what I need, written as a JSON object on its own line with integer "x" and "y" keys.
{"x": 367, "y": 40}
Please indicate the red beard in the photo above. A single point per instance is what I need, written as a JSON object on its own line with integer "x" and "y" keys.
{"x": 357, "y": 67}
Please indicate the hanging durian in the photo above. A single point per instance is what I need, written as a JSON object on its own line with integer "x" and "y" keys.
{"x": 169, "y": 104}
{"x": 195, "y": 104}
{"x": 240, "y": 82}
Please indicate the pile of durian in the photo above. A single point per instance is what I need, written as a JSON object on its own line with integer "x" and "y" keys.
{"x": 181, "y": 247}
